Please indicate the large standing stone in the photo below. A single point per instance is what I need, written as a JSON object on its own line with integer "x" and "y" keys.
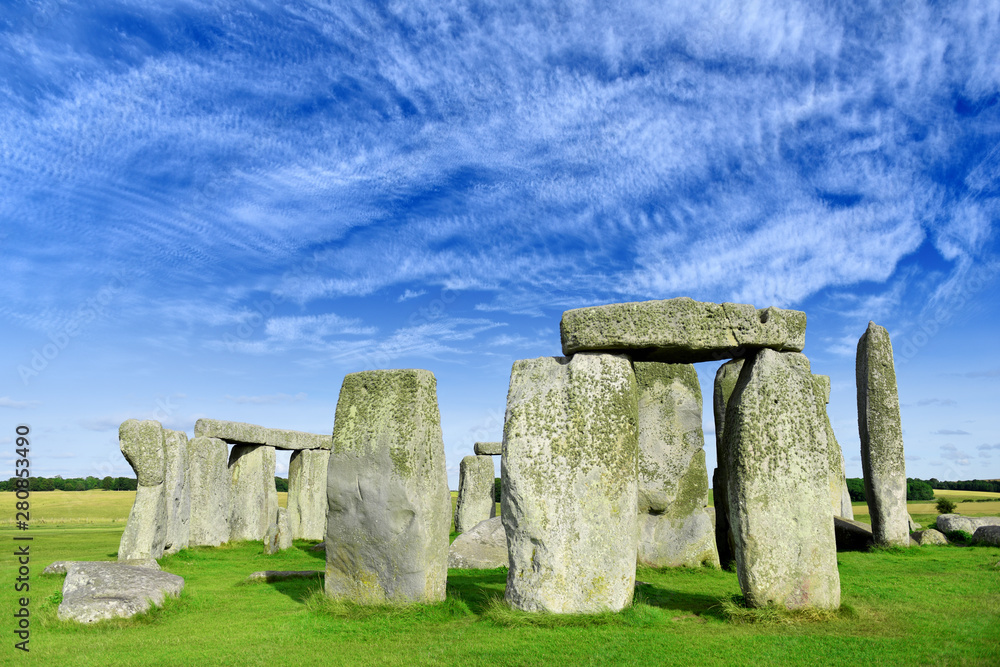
{"x": 211, "y": 491}
{"x": 178, "y": 494}
{"x": 94, "y": 591}
{"x": 779, "y": 503}
{"x": 674, "y": 528}
{"x": 569, "y": 502}
{"x": 835, "y": 463}
{"x": 681, "y": 330}
{"x": 475, "y": 492}
{"x": 725, "y": 381}
{"x": 238, "y": 433}
{"x": 881, "y": 439}
{"x": 387, "y": 486}
{"x": 255, "y": 499}
{"x": 307, "y": 493}
{"x": 142, "y": 444}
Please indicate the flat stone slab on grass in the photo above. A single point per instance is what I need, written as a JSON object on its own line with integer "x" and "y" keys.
{"x": 267, "y": 576}
{"x": 59, "y": 566}
{"x": 855, "y": 535}
{"x": 238, "y": 433}
{"x": 488, "y": 448}
{"x": 484, "y": 547}
{"x": 681, "y": 330}
{"x": 97, "y": 591}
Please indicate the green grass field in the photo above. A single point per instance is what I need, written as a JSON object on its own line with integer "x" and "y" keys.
{"x": 931, "y": 605}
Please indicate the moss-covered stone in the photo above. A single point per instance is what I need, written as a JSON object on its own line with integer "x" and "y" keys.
{"x": 725, "y": 381}
{"x": 674, "y": 528}
{"x": 881, "y": 438}
{"x": 389, "y": 508}
{"x": 142, "y": 443}
{"x": 681, "y": 330}
{"x": 488, "y": 448}
{"x": 835, "y": 464}
{"x": 254, "y": 498}
{"x": 211, "y": 491}
{"x": 177, "y": 494}
{"x": 778, "y": 498}
{"x": 239, "y": 433}
{"x": 569, "y": 501}
{"x": 475, "y": 492}
{"x": 307, "y": 493}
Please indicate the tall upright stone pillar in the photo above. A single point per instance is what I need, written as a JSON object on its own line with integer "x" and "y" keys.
{"x": 674, "y": 527}
{"x": 779, "y": 501}
{"x": 307, "y": 493}
{"x": 475, "y": 492}
{"x": 389, "y": 508}
{"x": 142, "y": 444}
{"x": 255, "y": 498}
{"x": 569, "y": 502}
{"x": 725, "y": 382}
{"x": 881, "y": 439}
{"x": 176, "y": 490}
{"x": 211, "y": 491}
{"x": 836, "y": 479}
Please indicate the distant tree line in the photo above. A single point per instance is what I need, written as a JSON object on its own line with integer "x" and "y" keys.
{"x": 992, "y": 485}
{"x": 916, "y": 489}
{"x": 109, "y": 483}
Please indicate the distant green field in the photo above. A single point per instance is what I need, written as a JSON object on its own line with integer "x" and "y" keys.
{"x": 929, "y": 605}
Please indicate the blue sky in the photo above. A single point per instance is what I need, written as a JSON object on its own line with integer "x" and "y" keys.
{"x": 219, "y": 209}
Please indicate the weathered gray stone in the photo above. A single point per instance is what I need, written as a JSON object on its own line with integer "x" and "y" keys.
{"x": 389, "y": 505}
{"x": 475, "y": 492}
{"x": 96, "y": 591}
{"x": 60, "y": 566}
{"x": 307, "y": 493}
{"x": 681, "y": 330}
{"x": 211, "y": 491}
{"x": 488, "y": 448}
{"x": 725, "y": 381}
{"x": 779, "y": 502}
{"x": 836, "y": 477}
{"x": 284, "y": 530}
{"x": 254, "y": 500}
{"x": 881, "y": 438}
{"x": 674, "y": 528}
{"x": 177, "y": 494}
{"x": 483, "y": 547}
{"x": 142, "y": 443}
{"x": 569, "y": 501}
{"x": 949, "y": 522}
{"x": 913, "y": 525}
{"x": 846, "y": 507}
{"x": 271, "y": 539}
{"x": 987, "y": 535}
{"x": 238, "y": 433}
{"x": 268, "y": 576}
{"x": 929, "y": 536}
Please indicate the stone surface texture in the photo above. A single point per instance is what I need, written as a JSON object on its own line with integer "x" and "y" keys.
{"x": 778, "y": 497}
{"x": 238, "y": 433}
{"x": 836, "y": 477}
{"x": 681, "y": 330}
{"x": 389, "y": 509}
{"x": 674, "y": 527}
{"x": 929, "y": 536}
{"x": 254, "y": 499}
{"x": 987, "y": 535}
{"x": 483, "y": 547}
{"x": 881, "y": 438}
{"x": 176, "y": 490}
{"x": 475, "y": 492}
{"x": 569, "y": 502}
{"x": 60, "y": 566}
{"x": 949, "y": 522}
{"x": 307, "y": 493}
{"x": 96, "y": 591}
{"x": 284, "y": 530}
{"x": 488, "y": 448}
{"x": 725, "y": 381}
{"x": 211, "y": 491}
{"x": 142, "y": 443}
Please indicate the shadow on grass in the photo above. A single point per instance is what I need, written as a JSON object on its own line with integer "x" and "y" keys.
{"x": 299, "y": 589}
{"x": 693, "y": 603}
{"x": 310, "y": 549}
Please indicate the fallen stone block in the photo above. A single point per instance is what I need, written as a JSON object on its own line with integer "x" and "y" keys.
{"x": 483, "y": 547}
{"x": 59, "y": 566}
{"x": 238, "y": 433}
{"x": 97, "y": 591}
{"x": 929, "y": 536}
{"x": 681, "y": 330}
{"x": 987, "y": 535}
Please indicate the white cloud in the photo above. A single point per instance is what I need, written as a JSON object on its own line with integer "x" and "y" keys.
{"x": 8, "y": 402}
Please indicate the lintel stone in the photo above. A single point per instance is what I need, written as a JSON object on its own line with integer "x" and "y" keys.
{"x": 238, "y": 433}
{"x": 489, "y": 448}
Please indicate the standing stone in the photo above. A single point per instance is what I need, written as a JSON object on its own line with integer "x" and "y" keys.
{"x": 836, "y": 479}
{"x": 254, "y": 499}
{"x": 779, "y": 503}
{"x": 278, "y": 536}
{"x": 725, "y": 381}
{"x": 211, "y": 491}
{"x": 389, "y": 509}
{"x": 674, "y": 527}
{"x": 475, "y": 492}
{"x": 569, "y": 503}
{"x": 846, "y": 508}
{"x": 178, "y": 494}
{"x": 142, "y": 444}
{"x": 307, "y": 493}
{"x": 881, "y": 439}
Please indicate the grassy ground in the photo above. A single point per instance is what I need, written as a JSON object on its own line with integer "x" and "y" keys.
{"x": 932, "y": 605}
